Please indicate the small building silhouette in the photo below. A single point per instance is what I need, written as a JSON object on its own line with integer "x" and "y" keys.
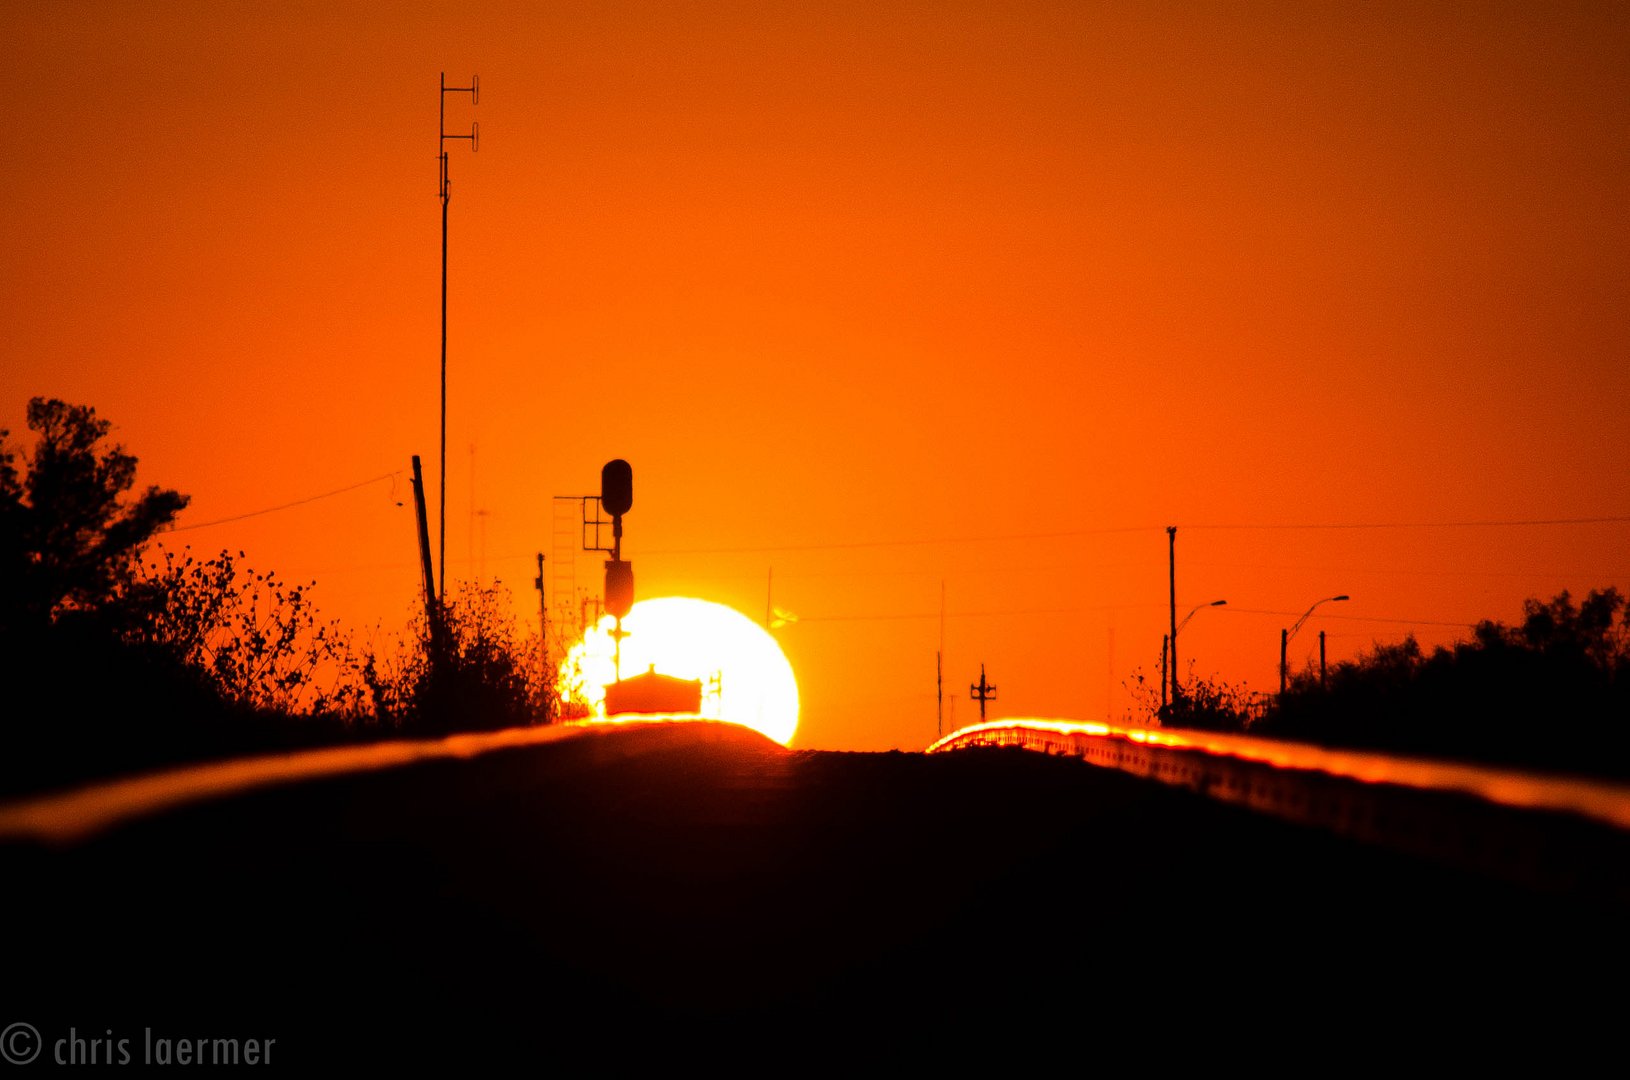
{"x": 653, "y": 693}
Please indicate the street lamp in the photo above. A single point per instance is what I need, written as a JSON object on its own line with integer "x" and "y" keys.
{"x": 1286, "y": 635}
{"x": 1173, "y": 652}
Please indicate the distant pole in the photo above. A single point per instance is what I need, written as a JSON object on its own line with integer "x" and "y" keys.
{"x": 474, "y": 90}
{"x": 1165, "y": 643}
{"x": 1284, "y": 641}
{"x": 1109, "y": 678}
{"x": 441, "y": 490}
{"x": 1171, "y": 568}
{"x": 939, "y": 665}
{"x": 469, "y": 533}
{"x": 769, "y": 598}
{"x": 1321, "y": 659}
{"x": 543, "y": 622}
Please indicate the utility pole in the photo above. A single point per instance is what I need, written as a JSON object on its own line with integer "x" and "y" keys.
{"x": 939, "y": 671}
{"x": 1165, "y": 643}
{"x": 1321, "y": 660}
{"x": 1284, "y": 641}
{"x": 1171, "y": 565}
{"x": 429, "y": 576}
{"x": 432, "y": 606}
{"x": 543, "y": 623}
{"x": 469, "y": 533}
{"x": 1109, "y": 678}
{"x": 446, "y": 193}
{"x": 982, "y": 692}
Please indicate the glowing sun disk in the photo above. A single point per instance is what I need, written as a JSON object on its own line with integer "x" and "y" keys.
{"x": 745, "y": 677}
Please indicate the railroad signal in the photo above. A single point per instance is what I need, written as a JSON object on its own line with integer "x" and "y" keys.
{"x": 619, "y": 587}
{"x": 617, "y": 487}
{"x": 616, "y": 498}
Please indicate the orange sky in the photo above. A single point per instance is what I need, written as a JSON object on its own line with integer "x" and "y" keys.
{"x": 830, "y": 275}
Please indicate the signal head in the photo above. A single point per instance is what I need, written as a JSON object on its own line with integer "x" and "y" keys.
{"x": 617, "y": 487}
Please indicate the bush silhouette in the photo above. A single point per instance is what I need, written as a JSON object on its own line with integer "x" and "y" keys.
{"x": 1208, "y": 704}
{"x": 474, "y": 673}
{"x": 257, "y": 638}
{"x": 1552, "y": 693}
{"x": 114, "y": 662}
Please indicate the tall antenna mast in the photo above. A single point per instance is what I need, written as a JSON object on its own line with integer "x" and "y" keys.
{"x": 474, "y": 90}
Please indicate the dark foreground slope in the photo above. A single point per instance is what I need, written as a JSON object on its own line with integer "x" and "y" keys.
{"x": 679, "y": 892}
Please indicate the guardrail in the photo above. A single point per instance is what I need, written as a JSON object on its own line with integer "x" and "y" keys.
{"x": 1554, "y": 833}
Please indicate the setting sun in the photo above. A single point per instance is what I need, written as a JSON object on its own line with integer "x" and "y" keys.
{"x": 744, "y": 675}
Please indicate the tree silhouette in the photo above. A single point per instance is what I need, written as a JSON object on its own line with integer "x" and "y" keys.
{"x": 68, "y": 539}
{"x": 1552, "y": 692}
{"x": 80, "y": 697}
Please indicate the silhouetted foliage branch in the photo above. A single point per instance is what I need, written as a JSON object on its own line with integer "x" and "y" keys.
{"x": 257, "y": 638}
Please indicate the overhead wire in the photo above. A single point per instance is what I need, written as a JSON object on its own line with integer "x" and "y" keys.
{"x": 287, "y": 505}
{"x": 1350, "y": 618}
{"x": 1108, "y": 530}
{"x": 1487, "y": 523}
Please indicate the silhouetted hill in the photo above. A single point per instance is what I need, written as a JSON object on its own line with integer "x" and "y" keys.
{"x": 676, "y": 895}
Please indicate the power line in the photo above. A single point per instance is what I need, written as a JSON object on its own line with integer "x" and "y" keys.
{"x": 1393, "y": 571}
{"x": 288, "y": 505}
{"x": 992, "y": 538}
{"x": 1065, "y": 533}
{"x": 1621, "y": 520}
{"x": 1353, "y": 618}
{"x": 899, "y": 616}
{"x": 921, "y": 542}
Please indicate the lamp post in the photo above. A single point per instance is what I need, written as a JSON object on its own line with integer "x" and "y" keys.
{"x": 1176, "y": 685}
{"x": 1286, "y": 635}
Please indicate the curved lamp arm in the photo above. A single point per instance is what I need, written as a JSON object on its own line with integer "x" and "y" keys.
{"x": 1297, "y": 625}
{"x": 1190, "y": 615}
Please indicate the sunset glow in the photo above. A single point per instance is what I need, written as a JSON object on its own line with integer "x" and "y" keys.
{"x": 580, "y": 533}
{"x": 942, "y": 313}
{"x": 745, "y": 677}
